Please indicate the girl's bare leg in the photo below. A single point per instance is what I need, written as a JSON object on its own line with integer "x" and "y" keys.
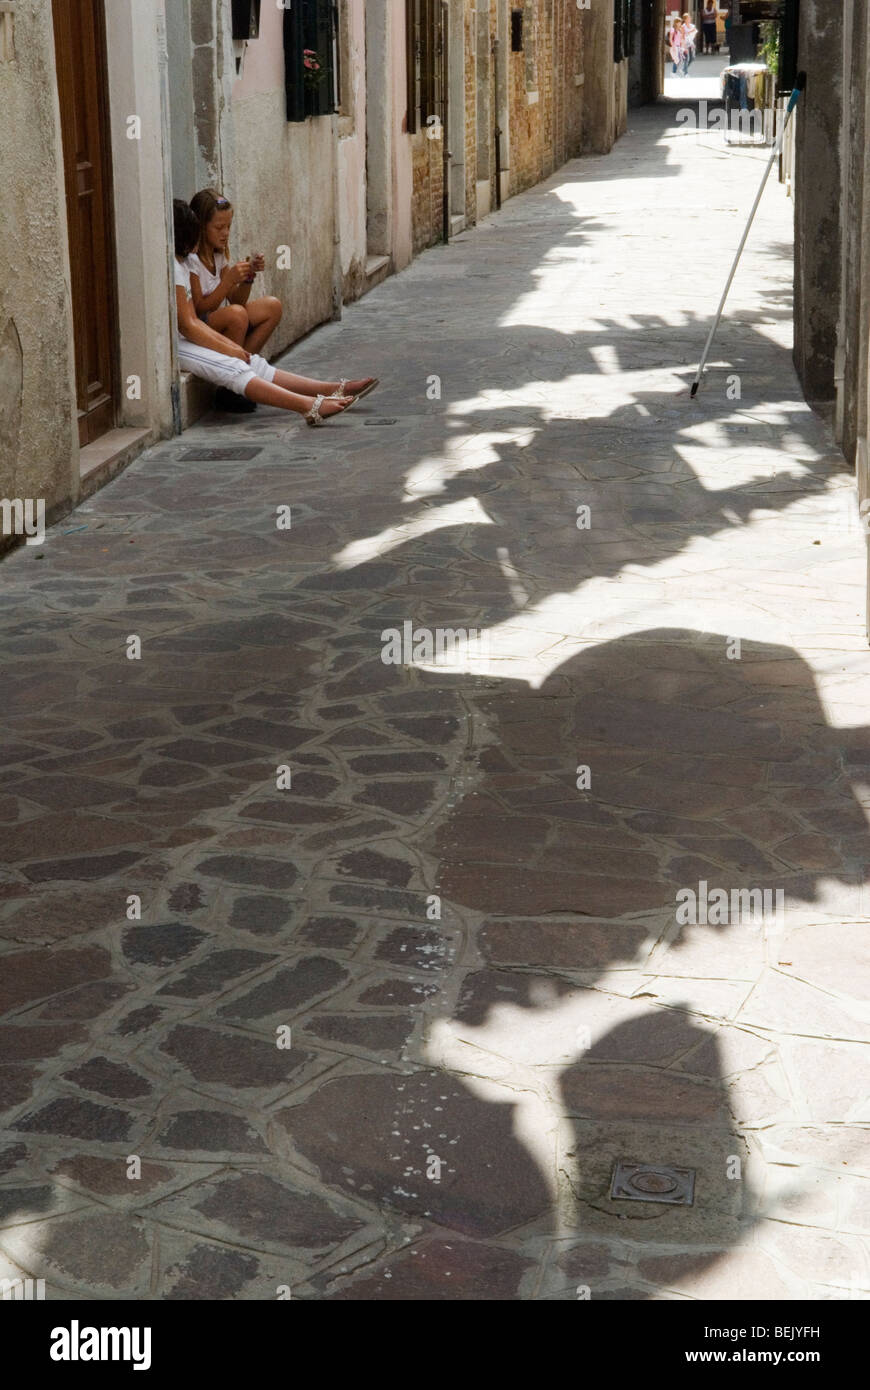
{"x": 311, "y": 387}
{"x": 263, "y": 317}
{"x": 270, "y": 393}
{"x": 231, "y": 320}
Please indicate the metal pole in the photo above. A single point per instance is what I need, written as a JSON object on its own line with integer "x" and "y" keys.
{"x": 793, "y": 101}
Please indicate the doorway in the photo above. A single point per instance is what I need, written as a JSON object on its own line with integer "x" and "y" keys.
{"x": 80, "y": 48}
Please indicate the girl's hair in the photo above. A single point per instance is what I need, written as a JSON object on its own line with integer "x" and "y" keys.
{"x": 205, "y": 204}
{"x": 186, "y": 227}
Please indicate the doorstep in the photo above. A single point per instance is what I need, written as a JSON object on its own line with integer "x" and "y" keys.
{"x": 108, "y": 455}
{"x": 377, "y": 269}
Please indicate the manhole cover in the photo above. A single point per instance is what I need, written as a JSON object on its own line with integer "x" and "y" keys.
{"x": 219, "y": 455}
{"x": 653, "y": 1182}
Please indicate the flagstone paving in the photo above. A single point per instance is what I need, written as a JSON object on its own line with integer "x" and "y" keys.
{"x": 330, "y": 977}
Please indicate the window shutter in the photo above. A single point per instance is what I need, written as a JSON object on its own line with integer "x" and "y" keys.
{"x": 309, "y": 24}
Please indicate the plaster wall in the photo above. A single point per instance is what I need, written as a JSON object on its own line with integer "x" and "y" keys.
{"x": 402, "y": 155}
{"x": 38, "y": 440}
{"x": 136, "y": 44}
{"x": 352, "y": 140}
{"x": 279, "y": 175}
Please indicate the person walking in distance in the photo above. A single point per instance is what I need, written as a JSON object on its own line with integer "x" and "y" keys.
{"x": 690, "y": 35}
{"x": 674, "y": 40}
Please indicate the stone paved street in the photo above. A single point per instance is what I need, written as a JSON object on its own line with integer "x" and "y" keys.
{"x": 457, "y": 1087}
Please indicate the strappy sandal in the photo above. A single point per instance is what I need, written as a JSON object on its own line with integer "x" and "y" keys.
{"x": 370, "y": 386}
{"x": 314, "y": 418}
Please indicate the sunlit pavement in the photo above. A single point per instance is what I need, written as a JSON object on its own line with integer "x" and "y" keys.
{"x": 409, "y": 977}
{"x": 701, "y": 83}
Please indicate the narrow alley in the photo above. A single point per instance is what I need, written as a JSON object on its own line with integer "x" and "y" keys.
{"x": 353, "y": 780}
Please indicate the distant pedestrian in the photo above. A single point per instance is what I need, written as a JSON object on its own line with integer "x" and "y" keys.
{"x": 674, "y": 40}
{"x": 690, "y": 35}
{"x": 709, "y": 19}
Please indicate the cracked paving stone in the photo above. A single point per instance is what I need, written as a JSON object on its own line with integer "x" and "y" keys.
{"x": 210, "y": 1272}
{"x": 89, "y": 867}
{"x": 28, "y": 976}
{"x": 456, "y": 1270}
{"x": 87, "y": 1001}
{"x": 281, "y": 809}
{"x": 210, "y": 1131}
{"x": 369, "y": 863}
{"x": 261, "y": 914}
{"x": 406, "y": 798}
{"x": 586, "y": 946}
{"x": 287, "y": 990}
{"x": 215, "y": 972}
{"x": 113, "y": 1079}
{"x": 18, "y": 1204}
{"x": 233, "y": 1059}
{"x": 365, "y": 1132}
{"x": 416, "y": 947}
{"x": 259, "y": 1208}
{"x": 186, "y": 897}
{"x": 11, "y": 1157}
{"x": 16, "y": 1085}
{"x": 640, "y": 1094}
{"x": 109, "y": 1177}
{"x": 38, "y": 1041}
{"x": 163, "y": 944}
{"x": 339, "y": 933}
{"x": 77, "y": 1119}
{"x": 373, "y": 1032}
{"x": 138, "y": 1020}
{"x": 248, "y": 869}
{"x": 389, "y": 901}
{"x": 101, "y": 1250}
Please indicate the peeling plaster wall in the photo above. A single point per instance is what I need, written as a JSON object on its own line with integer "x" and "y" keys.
{"x": 279, "y": 175}
{"x": 146, "y": 294}
{"x": 38, "y": 440}
{"x": 352, "y": 139}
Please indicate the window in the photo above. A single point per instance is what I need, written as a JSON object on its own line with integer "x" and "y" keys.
{"x": 425, "y": 57}
{"x": 311, "y": 38}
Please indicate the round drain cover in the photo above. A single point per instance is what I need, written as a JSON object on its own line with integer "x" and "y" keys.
{"x": 653, "y": 1182}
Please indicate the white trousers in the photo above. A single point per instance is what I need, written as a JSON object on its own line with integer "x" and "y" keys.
{"x": 230, "y": 372}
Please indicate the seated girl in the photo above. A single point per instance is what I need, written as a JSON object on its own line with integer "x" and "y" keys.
{"x": 218, "y": 284}
{"x": 219, "y": 359}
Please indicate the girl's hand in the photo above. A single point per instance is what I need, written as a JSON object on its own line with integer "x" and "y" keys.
{"x": 236, "y": 275}
{"x": 258, "y": 264}
{"x": 240, "y": 353}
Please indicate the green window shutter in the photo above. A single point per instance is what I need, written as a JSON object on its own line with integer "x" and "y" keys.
{"x": 309, "y": 24}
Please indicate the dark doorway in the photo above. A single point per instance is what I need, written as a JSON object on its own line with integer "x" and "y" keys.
{"x": 80, "y": 45}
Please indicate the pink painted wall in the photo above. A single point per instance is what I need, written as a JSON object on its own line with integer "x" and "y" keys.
{"x": 403, "y": 174}
{"x": 263, "y": 69}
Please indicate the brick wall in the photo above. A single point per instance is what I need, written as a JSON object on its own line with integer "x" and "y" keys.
{"x": 543, "y": 86}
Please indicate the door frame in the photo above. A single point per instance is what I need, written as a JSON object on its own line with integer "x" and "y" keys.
{"x": 83, "y": 419}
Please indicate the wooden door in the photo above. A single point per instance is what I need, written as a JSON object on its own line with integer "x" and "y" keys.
{"x": 80, "y": 47}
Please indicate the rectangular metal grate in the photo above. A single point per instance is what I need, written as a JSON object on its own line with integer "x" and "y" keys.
{"x": 653, "y": 1182}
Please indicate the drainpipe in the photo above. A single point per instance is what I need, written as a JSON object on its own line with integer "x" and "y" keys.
{"x": 445, "y": 120}
{"x": 337, "y": 277}
{"x": 497, "y": 131}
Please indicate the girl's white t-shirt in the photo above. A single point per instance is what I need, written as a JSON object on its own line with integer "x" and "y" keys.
{"x": 208, "y": 279}
{"x": 182, "y": 278}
